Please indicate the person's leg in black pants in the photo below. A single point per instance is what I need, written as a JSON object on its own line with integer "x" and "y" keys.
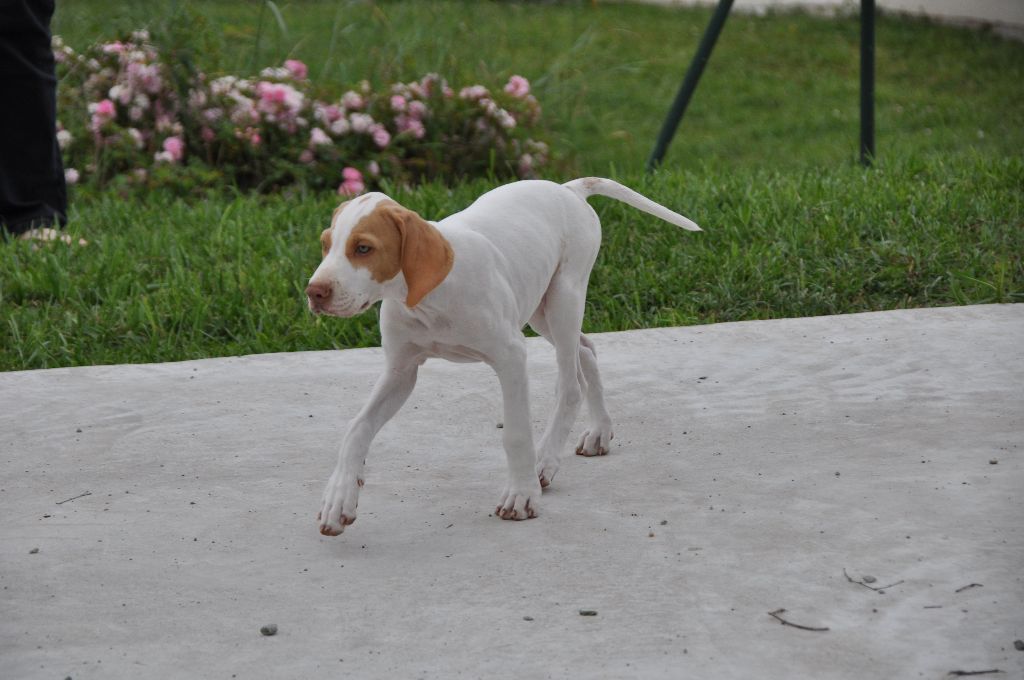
{"x": 33, "y": 194}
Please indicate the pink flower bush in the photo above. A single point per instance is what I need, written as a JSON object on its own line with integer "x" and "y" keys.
{"x": 274, "y": 129}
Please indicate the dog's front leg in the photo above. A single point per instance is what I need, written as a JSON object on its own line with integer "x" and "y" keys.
{"x": 338, "y": 507}
{"x": 522, "y": 493}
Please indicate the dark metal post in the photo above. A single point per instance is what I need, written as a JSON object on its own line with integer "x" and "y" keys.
{"x": 675, "y": 114}
{"x": 867, "y": 81}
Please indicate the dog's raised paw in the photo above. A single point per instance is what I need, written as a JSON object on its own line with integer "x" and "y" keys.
{"x": 546, "y": 470}
{"x": 338, "y": 507}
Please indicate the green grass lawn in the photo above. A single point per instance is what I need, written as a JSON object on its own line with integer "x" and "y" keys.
{"x": 165, "y": 280}
{"x": 764, "y": 162}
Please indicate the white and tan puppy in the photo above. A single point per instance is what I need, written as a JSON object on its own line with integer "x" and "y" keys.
{"x": 463, "y": 289}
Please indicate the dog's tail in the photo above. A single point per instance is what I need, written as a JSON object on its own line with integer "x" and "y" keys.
{"x": 588, "y": 186}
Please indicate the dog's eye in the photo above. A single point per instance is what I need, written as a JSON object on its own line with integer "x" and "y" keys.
{"x": 363, "y": 249}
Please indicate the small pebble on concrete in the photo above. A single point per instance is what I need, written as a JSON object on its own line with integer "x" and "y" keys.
{"x": 870, "y": 579}
{"x": 33, "y": 551}
{"x": 588, "y": 612}
{"x": 1018, "y": 645}
{"x": 269, "y": 629}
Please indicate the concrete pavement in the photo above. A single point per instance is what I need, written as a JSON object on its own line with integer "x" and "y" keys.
{"x": 757, "y": 466}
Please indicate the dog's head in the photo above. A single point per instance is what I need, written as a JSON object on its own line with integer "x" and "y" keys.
{"x": 375, "y": 248}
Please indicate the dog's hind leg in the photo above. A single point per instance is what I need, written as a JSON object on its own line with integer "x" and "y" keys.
{"x": 559, "y": 319}
{"x": 597, "y": 440}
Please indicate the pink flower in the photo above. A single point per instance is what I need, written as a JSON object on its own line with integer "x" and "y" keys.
{"x": 412, "y": 125}
{"x": 120, "y": 93}
{"x": 145, "y": 76}
{"x": 518, "y": 86}
{"x": 473, "y": 92}
{"x": 113, "y": 48}
{"x": 306, "y": 156}
{"x": 361, "y": 122}
{"x": 352, "y": 100}
{"x": 136, "y": 137}
{"x": 327, "y": 114}
{"x": 398, "y": 102}
{"x": 102, "y": 113}
{"x": 506, "y": 119}
{"x": 175, "y": 148}
{"x": 71, "y": 176}
{"x": 298, "y": 70}
{"x": 280, "y": 104}
{"x": 427, "y": 83}
{"x": 164, "y": 123}
{"x": 341, "y": 126}
{"x": 381, "y": 137}
{"x": 352, "y": 182}
{"x": 525, "y": 165}
{"x": 270, "y": 92}
{"x": 318, "y": 137}
{"x": 207, "y": 134}
{"x": 417, "y": 109}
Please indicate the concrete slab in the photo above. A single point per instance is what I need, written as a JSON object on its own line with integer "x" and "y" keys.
{"x": 754, "y": 463}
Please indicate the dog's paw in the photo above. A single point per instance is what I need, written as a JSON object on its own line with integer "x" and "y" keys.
{"x": 595, "y": 441}
{"x": 546, "y": 470}
{"x": 518, "y": 504}
{"x": 338, "y": 507}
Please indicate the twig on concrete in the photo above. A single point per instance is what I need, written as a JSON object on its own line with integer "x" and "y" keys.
{"x": 968, "y": 586}
{"x": 963, "y": 673}
{"x": 870, "y": 587}
{"x": 784, "y": 622}
{"x": 87, "y": 493}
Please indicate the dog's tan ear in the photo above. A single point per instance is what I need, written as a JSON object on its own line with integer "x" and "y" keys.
{"x": 427, "y": 256}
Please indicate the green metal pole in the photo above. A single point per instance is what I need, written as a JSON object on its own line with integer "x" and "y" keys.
{"x": 867, "y": 81}
{"x": 675, "y": 114}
